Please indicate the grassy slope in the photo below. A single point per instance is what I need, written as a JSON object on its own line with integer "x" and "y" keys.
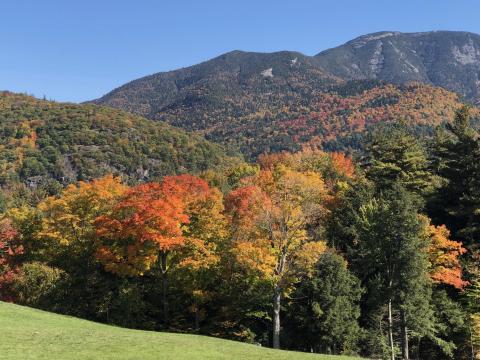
{"x": 33, "y": 334}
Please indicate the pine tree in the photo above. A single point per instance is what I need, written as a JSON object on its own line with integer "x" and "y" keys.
{"x": 394, "y": 155}
{"x": 391, "y": 257}
{"x": 324, "y": 311}
{"x": 455, "y": 158}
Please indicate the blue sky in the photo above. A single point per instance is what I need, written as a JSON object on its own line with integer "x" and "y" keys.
{"x": 76, "y": 50}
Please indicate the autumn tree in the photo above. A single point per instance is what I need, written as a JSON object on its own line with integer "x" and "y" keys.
{"x": 143, "y": 227}
{"x": 443, "y": 255}
{"x": 270, "y": 221}
{"x": 68, "y": 220}
{"x": 58, "y": 236}
{"x": 177, "y": 222}
{"x": 205, "y": 236}
{"x": 11, "y": 249}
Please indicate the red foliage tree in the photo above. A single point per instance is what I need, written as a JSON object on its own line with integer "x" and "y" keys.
{"x": 10, "y": 249}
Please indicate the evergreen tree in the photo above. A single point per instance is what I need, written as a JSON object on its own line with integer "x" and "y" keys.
{"x": 323, "y": 315}
{"x": 394, "y": 155}
{"x": 391, "y": 260}
{"x": 455, "y": 158}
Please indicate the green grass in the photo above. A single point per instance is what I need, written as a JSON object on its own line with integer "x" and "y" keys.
{"x": 27, "y": 333}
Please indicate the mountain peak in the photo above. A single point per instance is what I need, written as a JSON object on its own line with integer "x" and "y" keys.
{"x": 450, "y": 59}
{"x": 362, "y": 40}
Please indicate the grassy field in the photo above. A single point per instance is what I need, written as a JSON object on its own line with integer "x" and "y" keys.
{"x": 27, "y": 333}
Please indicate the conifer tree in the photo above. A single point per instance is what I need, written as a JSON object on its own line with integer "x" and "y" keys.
{"x": 391, "y": 258}
{"x": 323, "y": 315}
{"x": 455, "y": 159}
{"x": 394, "y": 155}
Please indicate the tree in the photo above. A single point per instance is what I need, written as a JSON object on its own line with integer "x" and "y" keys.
{"x": 324, "y": 311}
{"x": 394, "y": 155}
{"x": 391, "y": 258}
{"x": 205, "y": 235}
{"x": 455, "y": 159}
{"x": 473, "y": 304}
{"x": 443, "y": 255}
{"x": 11, "y": 249}
{"x": 270, "y": 222}
{"x": 35, "y": 282}
{"x": 68, "y": 220}
{"x": 60, "y": 234}
{"x": 144, "y": 226}
{"x": 177, "y": 222}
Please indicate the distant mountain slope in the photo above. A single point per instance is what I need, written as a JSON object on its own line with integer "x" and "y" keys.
{"x": 42, "y": 141}
{"x": 448, "y": 59}
{"x": 237, "y": 82}
{"x": 336, "y": 120}
{"x": 269, "y": 102}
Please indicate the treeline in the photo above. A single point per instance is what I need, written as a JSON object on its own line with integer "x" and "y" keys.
{"x": 309, "y": 251}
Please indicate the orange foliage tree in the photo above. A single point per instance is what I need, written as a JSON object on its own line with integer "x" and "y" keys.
{"x": 146, "y": 224}
{"x": 443, "y": 256}
{"x": 175, "y": 222}
{"x": 204, "y": 235}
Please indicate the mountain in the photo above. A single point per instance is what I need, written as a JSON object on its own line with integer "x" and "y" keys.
{"x": 448, "y": 59}
{"x": 256, "y": 102}
{"x": 237, "y": 83}
{"x": 334, "y": 119}
{"x": 45, "y": 144}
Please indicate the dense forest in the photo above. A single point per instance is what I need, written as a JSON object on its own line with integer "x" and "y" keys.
{"x": 282, "y": 113}
{"x": 45, "y": 146}
{"x": 309, "y": 250}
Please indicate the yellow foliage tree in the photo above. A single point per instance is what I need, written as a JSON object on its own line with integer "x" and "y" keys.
{"x": 67, "y": 221}
{"x": 273, "y": 218}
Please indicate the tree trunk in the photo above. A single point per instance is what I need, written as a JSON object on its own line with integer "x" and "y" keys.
{"x": 164, "y": 289}
{"x": 197, "y": 318}
{"x": 390, "y": 330}
{"x": 404, "y": 335}
{"x": 276, "y": 317}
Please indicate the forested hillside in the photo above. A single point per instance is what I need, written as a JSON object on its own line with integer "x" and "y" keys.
{"x": 270, "y": 102}
{"x": 332, "y": 118}
{"x": 46, "y": 145}
{"x": 308, "y": 251}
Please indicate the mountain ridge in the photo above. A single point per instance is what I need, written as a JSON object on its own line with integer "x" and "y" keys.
{"x": 267, "y": 102}
{"x": 322, "y": 61}
{"x": 449, "y": 59}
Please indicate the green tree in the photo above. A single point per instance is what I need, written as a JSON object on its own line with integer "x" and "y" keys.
{"x": 394, "y": 155}
{"x": 324, "y": 312}
{"x": 391, "y": 259}
{"x": 455, "y": 159}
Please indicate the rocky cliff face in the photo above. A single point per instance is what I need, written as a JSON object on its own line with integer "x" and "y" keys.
{"x": 442, "y": 58}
